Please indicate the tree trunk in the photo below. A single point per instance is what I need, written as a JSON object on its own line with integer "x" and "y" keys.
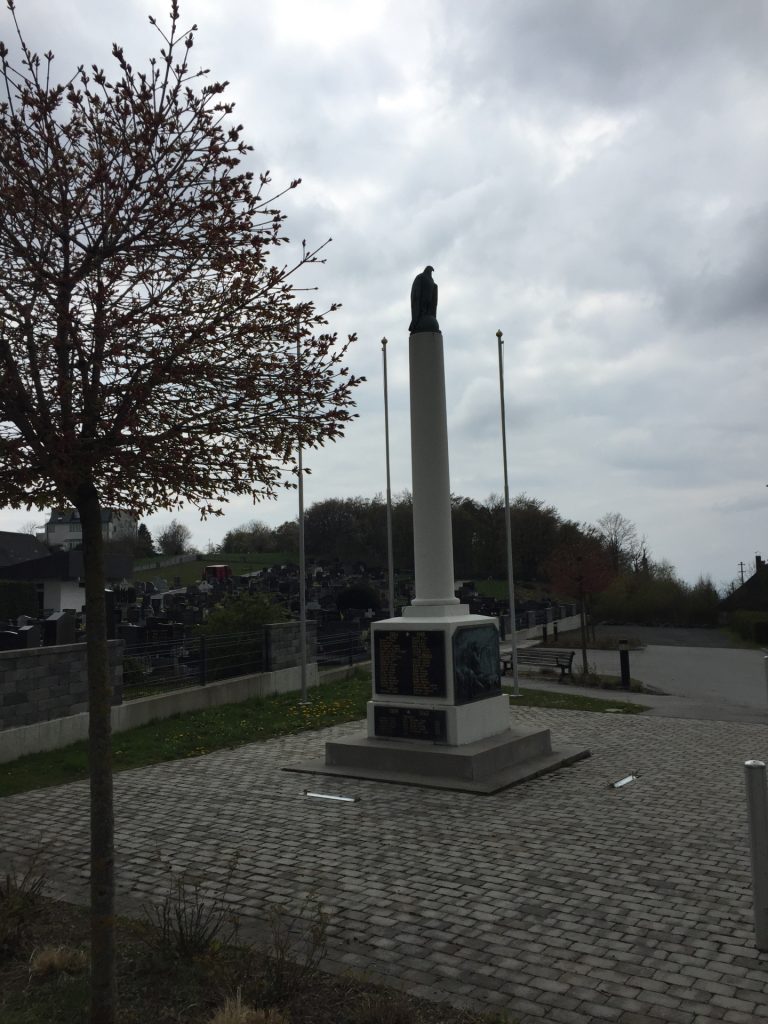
{"x": 103, "y": 988}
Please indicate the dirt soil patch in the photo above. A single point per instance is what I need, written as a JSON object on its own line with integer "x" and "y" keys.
{"x": 164, "y": 989}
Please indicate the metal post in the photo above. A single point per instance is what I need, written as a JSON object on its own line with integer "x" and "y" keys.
{"x": 508, "y": 524}
{"x": 624, "y": 663}
{"x": 203, "y": 660}
{"x": 302, "y": 565}
{"x": 765, "y": 666}
{"x": 757, "y": 812}
{"x": 390, "y": 556}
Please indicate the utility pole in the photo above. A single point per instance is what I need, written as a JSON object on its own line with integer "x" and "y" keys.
{"x": 741, "y": 570}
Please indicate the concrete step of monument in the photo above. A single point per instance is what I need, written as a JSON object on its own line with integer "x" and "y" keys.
{"x": 472, "y": 761}
{"x": 509, "y": 775}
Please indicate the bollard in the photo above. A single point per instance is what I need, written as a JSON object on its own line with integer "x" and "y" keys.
{"x": 757, "y": 813}
{"x": 765, "y": 666}
{"x": 554, "y": 630}
{"x": 624, "y": 663}
{"x": 544, "y": 633}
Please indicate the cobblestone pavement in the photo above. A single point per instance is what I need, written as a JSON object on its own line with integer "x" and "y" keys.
{"x": 561, "y": 900}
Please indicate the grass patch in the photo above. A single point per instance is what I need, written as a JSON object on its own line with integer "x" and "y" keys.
{"x": 192, "y": 572}
{"x": 572, "y": 702}
{"x": 201, "y": 732}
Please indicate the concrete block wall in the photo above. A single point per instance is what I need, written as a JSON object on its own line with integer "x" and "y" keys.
{"x": 50, "y": 682}
{"x": 284, "y": 644}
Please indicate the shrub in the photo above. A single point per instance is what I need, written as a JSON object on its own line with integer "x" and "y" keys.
{"x": 235, "y": 1012}
{"x": 57, "y": 960}
{"x": 20, "y": 899}
{"x": 751, "y": 626}
{"x": 297, "y": 948}
{"x": 185, "y": 924}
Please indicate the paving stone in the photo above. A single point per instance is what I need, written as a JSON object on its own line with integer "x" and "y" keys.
{"x": 557, "y": 900}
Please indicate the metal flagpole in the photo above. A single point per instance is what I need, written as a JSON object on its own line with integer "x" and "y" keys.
{"x": 508, "y": 523}
{"x": 302, "y": 566}
{"x": 390, "y": 556}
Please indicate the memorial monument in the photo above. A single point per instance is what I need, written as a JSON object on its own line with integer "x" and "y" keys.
{"x": 437, "y": 715}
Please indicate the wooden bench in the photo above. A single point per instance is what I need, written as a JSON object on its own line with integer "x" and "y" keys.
{"x": 540, "y": 657}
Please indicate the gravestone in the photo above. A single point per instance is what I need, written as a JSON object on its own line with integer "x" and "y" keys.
{"x": 9, "y": 640}
{"x": 59, "y": 628}
{"x": 30, "y": 635}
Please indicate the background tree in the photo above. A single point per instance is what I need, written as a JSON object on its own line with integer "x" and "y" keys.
{"x": 147, "y": 342}
{"x": 145, "y": 547}
{"x": 580, "y": 568}
{"x": 233, "y": 634}
{"x": 174, "y": 539}
{"x": 287, "y": 538}
{"x": 30, "y": 528}
{"x": 253, "y": 537}
{"x": 619, "y": 536}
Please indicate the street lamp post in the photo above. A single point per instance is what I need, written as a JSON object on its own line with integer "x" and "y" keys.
{"x": 508, "y": 523}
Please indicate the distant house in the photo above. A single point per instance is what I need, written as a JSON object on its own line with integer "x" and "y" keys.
{"x": 752, "y": 595}
{"x": 64, "y": 530}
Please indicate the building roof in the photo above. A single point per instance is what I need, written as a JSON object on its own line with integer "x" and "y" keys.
{"x": 20, "y": 547}
{"x": 752, "y": 595}
{"x": 63, "y": 516}
{"x": 65, "y": 565}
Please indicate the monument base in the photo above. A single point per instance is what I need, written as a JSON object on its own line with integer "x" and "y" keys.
{"x": 485, "y": 766}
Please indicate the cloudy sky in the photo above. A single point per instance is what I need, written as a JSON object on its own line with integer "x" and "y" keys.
{"x": 587, "y": 176}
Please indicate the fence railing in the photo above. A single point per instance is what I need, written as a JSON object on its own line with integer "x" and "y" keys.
{"x": 342, "y": 648}
{"x": 171, "y": 664}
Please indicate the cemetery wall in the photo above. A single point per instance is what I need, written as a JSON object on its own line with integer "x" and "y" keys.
{"x": 44, "y": 683}
{"x": 60, "y": 732}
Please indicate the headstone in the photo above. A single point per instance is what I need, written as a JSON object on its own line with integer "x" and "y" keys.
{"x": 29, "y": 636}
{"x": 134, "y": 636}
{"x": 9, "y": 640}
{"x": 59, "y": 628}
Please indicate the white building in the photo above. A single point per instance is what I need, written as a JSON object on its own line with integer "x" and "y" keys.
{"x": 64, "y": 530}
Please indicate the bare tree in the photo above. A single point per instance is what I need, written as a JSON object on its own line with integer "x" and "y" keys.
{"x": 148, "y": 344}
{"x": 620, "y": 538}
{"x": 175, "y": 538}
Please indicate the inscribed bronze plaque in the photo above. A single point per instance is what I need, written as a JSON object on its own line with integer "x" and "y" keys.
{"x": 476, "y": 668}
{"x": 410, "y": 663}
{"x": 410, "y": 723}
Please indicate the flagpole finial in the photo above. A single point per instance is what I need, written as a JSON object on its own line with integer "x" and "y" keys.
{"x": 384, "y": 343}
{"x": 499, "y": 335}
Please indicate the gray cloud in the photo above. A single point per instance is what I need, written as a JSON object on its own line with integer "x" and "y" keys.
{"x": 588, "y": 177}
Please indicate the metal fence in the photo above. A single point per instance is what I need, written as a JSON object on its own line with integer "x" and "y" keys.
{"x": 175, "y": 663}
{"x": 342, "y": 648}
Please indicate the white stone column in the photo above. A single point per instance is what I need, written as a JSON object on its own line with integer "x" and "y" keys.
{"x": 432, "y": 534}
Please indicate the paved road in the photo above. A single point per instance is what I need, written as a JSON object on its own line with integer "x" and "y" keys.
{"x": 673, "y": 636}
{"x": 715, "y": 683}
{"x": 561, "y": 900}
{"x": 706, "y": 676}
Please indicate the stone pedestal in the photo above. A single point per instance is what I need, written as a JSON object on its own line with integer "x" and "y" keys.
{"x": 437, "y": 679}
